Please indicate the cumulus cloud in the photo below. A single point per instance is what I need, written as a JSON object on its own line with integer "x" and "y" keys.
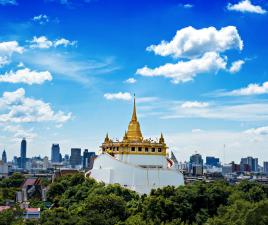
{"x": 43, "y": 42}
{"x": 251, "y": 89}
{"x": 17, "y": 108}
{"x": 131, "y": 80}
{"x": 245, "y": 6}
{"x": 236, "y": 66}
{"x": 258, "y": 130}
{"x": 10, "y": 47}
{"x": 126, "y": 96}
{"x": 8, "y": 2}
{"x": 191, "y": 43}
{"x": 26, "y": 76}
{"x": 41, "y": 19}
{"x": 64, "y": 42}
{"x": 7, "y": 48}
{"x": 184, "y": 71}
{"x": 194, "y": 104}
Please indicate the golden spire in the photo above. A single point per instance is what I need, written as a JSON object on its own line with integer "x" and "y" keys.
{"x": 107, "y": 139}
{"x": 161, "y": 140}
{"x": 134, "y": 131}
{"x": 134, "y": 114}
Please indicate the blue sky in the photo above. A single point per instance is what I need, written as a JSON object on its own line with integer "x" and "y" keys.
{"x": 69, "y": 69}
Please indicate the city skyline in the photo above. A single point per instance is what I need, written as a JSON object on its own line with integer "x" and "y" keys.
{"x": 69, "y": 69}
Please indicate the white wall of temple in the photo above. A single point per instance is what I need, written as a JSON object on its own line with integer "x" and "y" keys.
{"x": 143, "y": 160}
{"x": 110, "y": 170}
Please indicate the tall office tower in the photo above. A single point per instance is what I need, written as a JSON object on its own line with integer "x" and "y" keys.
{"x": 23, "y": 149}
{"x": 55, "y": 153}
{"x": 4, "y": 156}
{"x": 265, "y": 167}
{"x": 250, "y": 162}
{"x": 75, "y": 159}
{"x": 196, "y": 159}
{"x": 87, "y": 158}
{"x": 212, "y": 161}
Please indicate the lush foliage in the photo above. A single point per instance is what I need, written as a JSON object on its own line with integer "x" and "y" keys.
{"x": 81, "y": 201}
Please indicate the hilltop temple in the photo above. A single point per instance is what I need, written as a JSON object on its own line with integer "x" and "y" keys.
{"x": 136, "y": 163}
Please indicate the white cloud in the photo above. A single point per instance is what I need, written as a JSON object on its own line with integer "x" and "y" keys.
{"x": 219, "y": 110}
{"x": 8, "y": 2}
{"x": 246, "y": 6}
{"x": 131, "y": 80}
{"x": 194, "y": 104}
{"x": 258, "y": 130}
{"x": 184, "y": 71}
{"x": 26, "y": 76}
{"x": 43, "y": 42}
{"x": 191, "y": 43}
{"x": 10, "y": 47}
{"x": 16, "y": 108}
{"x": 64, "y": 42}
{"x": 236, "y": 66}
{"x": 41, "y": 19}
{"x": 118, "y": 96}
{"x": 19, "y": 132}
{"x": 69, "y": 66}
{"x": 251, "y": 89}
{"x": 188, "y": 6}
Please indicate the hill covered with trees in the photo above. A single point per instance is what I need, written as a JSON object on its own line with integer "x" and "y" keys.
{"x": 80, "y": 201}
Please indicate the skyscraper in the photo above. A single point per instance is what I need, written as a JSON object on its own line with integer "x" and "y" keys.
{"x": 87, "y": 157}
{"x": 55, "y": 153}
{"x": 251, "y": 162}
{"x": 212, "y": 161}
{"x": 265, "y": 167}
{"x": 23, "y": 149}
{"x": 75, "y": 159}
{"x": 4, "y": 156}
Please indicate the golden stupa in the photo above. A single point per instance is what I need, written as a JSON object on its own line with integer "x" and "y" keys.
{"x": 133, "y": 141}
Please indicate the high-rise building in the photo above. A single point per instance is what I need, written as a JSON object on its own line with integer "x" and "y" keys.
{"x": 249, "y": 162}
{"x": 87, "y": 158}
{"x": 23, "y": 149}
{"x": 212, "y": 161}
{"x": 55, "y": 153}
{"x": 75, "y": 159}
{"x": 4, "y": 156}
{"x": 196, "y": 159}
{"x": 265, "y": 167}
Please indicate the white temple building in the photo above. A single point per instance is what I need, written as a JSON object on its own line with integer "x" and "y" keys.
{"x": 136, "y": 163}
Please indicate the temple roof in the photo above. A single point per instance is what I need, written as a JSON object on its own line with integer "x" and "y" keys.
{"x": 134, "y": 130}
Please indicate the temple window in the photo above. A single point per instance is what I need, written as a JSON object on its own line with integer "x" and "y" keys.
{"x": 159, "y": 150}
{"x": 146, "y": 149}
{"x": 139, "y": 149}
{"x": 153, "y": 149}
{"x": 133, "y": 149}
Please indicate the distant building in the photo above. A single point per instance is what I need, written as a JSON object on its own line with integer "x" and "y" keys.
{"x": 4, "y": 156}
{"x": 3, "y": 169}
{"x": 212, "y": 161}
{"x": 87, "y": 159}
{"x": 249, "y": 164}
{"x": 196, "y": 159}
{"x": 23, "y": 149}
{"x": 55, "y": 153}
{"x": 45, "y": 163}
{"x": 75, "y": 159}
{"x": 227, "y": 169}
{"x": 196, "y": 163}
{"x": 32, "y": 213}
{"x": 265, "y": 167}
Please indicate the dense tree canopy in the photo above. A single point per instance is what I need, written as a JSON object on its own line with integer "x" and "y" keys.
{"x": 81, "y": 201}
